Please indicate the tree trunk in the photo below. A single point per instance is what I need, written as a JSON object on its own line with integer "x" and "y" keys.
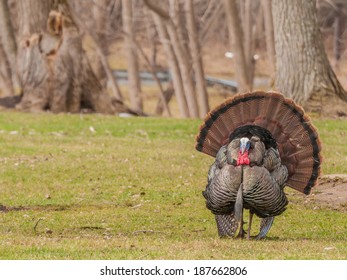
{"x": 213, "y": 14}
{"x": 339, "y": 28}
{"x": 248, "y": 40}
{"x": 8, "y": 40}
{"x": 196, "y": 60}
{"x": 5, "y": 75}
{"x": 186, "y": 74}
{"x": 98, "y": 36}
{"x": 269, "y": 32}
{"x": 182, "y": 58}
{"x": 236, "y": 42}
{"x": 302, "y": 67}
{"x": 151, "y": 37}
{"x": 177, "y": 17}
{"x": 173, "y": 66}
{"x": 33, "y": 69}
{"x": 174, "y": 27}
{"x": 99, "y": 32}
{"x": 133, "y": 67}
{"x": 168, "y": 93}
{"x": 53, "y": 69}
{"x": 150, "y": 67}
{"x": 34, "y": 14}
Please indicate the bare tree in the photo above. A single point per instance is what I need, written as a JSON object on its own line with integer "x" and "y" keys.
{"x": 269, "y": 32}
{"x": 5, "y": 74}
{"x": 133, "y": 66}
{"x": 151, "y": 68}
{"x": 248, "y": 41}
{"x": 236, "y": 43}
{"x": 303, "y": 71}
{"x": 173, "y": 66}
{"x": 339, "y": 28}
{"x": 196, "y": 59}
{"x": 33, "y": 70}
{"x": 99, "y": 31}
{"x": 175, "y": 32}
{"x": 212, "y": 15}
{"x": 53, "y": 69}
{"x": 8, "y": 42}
{"x": 182, "y": 57}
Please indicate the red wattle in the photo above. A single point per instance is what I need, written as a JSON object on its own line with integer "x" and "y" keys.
{"x": 243, "y": 159}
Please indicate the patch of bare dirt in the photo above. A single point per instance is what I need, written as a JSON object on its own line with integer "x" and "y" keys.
{"x": 331, "y": 192}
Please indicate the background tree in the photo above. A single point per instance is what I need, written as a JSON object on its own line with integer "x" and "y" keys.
{"x": 236, "y": 41}
{"x": 269, "y": 32}
{"x": 53, "y": 69}
{"x": 303, "y": 71}
{"x": 96, "y": 22}
{"x": 6, "y": 83}
{"x": 131, "y": 51}
{"x": 173, "y": 66}
{"x": 9, "y": 47}
{"x": 66, "y": 56}
{"x": 196, "y": 59}
{"x": 182, "y": 55}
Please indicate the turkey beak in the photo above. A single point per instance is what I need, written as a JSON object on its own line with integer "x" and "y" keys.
{"x": 244, "y": 145}
{"x": 243, "y": 148}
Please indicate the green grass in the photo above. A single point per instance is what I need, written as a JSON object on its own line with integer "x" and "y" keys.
{"x": 102, "y": 187}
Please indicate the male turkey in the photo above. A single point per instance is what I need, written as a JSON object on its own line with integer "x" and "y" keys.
{"x": 262, "y": 142}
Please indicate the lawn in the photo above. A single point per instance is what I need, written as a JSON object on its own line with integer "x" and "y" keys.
{"x": 103, "y": 187}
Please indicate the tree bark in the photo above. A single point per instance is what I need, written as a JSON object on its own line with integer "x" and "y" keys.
{"x": 116, "y": 92}
{"x": 168, "y": 93}
{"x": 302, "y": 67}
{"x": 162, "y": 96}
{"x": 269, "y": 32}
{"x": 182, "y": 58}
{"x": 185, "y": 68}
{"x": 175, "y": 31}
{"x": 214, "y": 13}
{"x": 5, "y": 75}
{"x": 33, "y": 70}
{"x": 34, "y": 14}
{"x": 236, "y": 42}
{"x": 339, "y": 28}
{"x": 53, "y": 69}
{"x": 101, "y": 48}
{"x": 99, "y": 33}
{"x": 196, "y": 60}
{"x": 248, "y": 40}
{"x": 151, "y": 37}
{"x": 133, "y": 67}
{"x": 8, "y": 40}
{"x": 173, "y": 66}
{"x": 178, "y": 19}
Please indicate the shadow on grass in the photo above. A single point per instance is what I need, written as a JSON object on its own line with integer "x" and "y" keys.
{"x": 39, "y": 208}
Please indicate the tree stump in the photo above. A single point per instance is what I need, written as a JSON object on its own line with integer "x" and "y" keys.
{"x": 55, "y": 73}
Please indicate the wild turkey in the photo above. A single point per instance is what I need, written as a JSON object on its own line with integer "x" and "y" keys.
{"x": 261, "y": 142}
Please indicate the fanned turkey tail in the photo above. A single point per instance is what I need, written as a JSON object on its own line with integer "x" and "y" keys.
{"x": 279, "y": 122}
